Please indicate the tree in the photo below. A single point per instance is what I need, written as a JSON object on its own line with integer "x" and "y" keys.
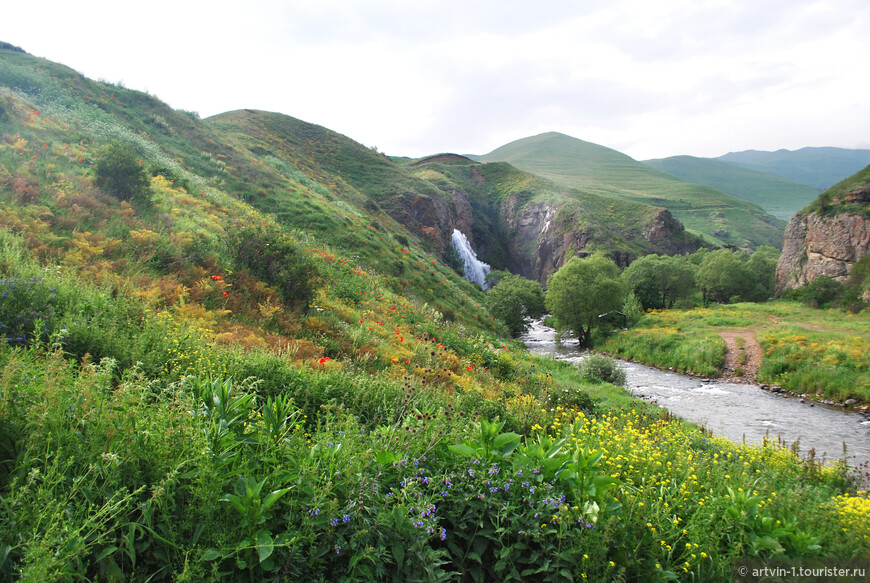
{"x": 119, "y": 173}
{"x": 762, "y": 267}
{"x": 723, "y": 275}
{"x": 582, "y": 290}
{"x": 659, "y": 281}
{"x": 513, "y": 299}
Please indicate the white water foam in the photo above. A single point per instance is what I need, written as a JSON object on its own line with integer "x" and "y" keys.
{"x": 475, "y": 270}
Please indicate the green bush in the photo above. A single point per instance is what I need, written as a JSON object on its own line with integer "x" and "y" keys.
{"x": 278, "y": 260}
{"x": 601, "y": 368}
{"x": 27, "y": 310}
{"x": 120, "y": 173}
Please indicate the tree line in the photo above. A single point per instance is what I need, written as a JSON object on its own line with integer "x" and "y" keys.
{"x": 589, "y": 293}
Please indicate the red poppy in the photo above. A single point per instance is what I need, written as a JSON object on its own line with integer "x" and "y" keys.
{"x": 324, "y": 359}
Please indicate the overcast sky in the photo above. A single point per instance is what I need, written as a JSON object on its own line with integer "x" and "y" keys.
{"x": 650, "y": 78}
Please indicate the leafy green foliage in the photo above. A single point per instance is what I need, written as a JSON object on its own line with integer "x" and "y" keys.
{"x": 602, "y": 368}
{"x": 119, "y": 172}
{"x": 514, "y": 299}
{"x": 276, "y": 258}
{"x": 27, "y": 310}
{"x": 491, "y": 446}
{"x": 582, "y": 290}
{"x": 730, "y": 276}
{"x": 189, "y": 420}
{"x": 659, "y": 281}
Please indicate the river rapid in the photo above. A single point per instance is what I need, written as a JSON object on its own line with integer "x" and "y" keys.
{"x": 740, "y": 412}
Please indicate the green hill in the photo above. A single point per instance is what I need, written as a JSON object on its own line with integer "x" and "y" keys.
{"x": 820, "y": 168}
{"x": 718, "y": 217}
{"x": 251, "y": 371}
{"x": 780, "y": 197}
{"x": 511, "y": 229}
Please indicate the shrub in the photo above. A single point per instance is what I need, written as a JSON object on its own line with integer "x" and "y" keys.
{"x": 120, "y": 173}
{"x": 601, "y": 368}
{"x": 276, "y": 259}
{"x": 27, "y": 310}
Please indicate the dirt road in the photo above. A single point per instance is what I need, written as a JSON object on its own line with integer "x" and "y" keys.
{"x": 743, "y": 356}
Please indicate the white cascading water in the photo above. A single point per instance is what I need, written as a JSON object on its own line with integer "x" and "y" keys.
{"x": 475, "y": 270}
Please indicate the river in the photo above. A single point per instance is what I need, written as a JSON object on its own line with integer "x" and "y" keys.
{"x": 736, "y": 411}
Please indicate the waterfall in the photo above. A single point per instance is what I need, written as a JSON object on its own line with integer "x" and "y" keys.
{"x": 475, "y": 270}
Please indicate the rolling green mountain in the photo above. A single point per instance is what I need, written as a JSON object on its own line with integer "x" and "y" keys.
{"x": 820, "y": 168}
{"x": 491, "y": 203}
{"x": 717, "y": 217}
{"x": 248, "y": 362}
{"x": 533, "y": 225}
{"x": 45, "y": 104}
{"x": 780, "y": 197}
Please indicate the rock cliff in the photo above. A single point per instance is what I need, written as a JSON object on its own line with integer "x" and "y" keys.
{"x": 541, "y": 237}
{"x": 820, "y": 243}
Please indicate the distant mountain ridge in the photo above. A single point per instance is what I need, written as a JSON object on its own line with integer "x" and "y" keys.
{"x": 820, "y": 168}
{"x": 778, "y": 196}
{"x": 720, "y": 218}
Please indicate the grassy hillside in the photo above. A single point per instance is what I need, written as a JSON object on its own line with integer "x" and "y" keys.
{"x": 820, "y": 168}
{"x": 780, "y": 197}
{"x": 193, "y": 389}
{"x": 718, "y": 217}
{"x": 836, "y": 200}
{"x": 615, "y": 226}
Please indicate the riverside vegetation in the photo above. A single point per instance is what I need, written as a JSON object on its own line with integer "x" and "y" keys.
{"x": 192, "y": 390}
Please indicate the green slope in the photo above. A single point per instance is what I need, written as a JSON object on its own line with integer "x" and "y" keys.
{"x": 780, "y": 197}
{"x": 716, "y": 216}
{"x": 615, "y": 226}
{"x": 210, "y": 164}
{"x": 816, "y": 167}
{"x": 850, "y": 195}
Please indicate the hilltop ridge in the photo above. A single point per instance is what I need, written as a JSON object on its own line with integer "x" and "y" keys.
{"x": 717, "y": 217}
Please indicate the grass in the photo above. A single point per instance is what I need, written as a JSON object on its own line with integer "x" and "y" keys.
{"x": 821, "y": 353}
{"x": 718, "y": 217}
{"x": 780, "y": 197}
{"x": 170, "y": 413}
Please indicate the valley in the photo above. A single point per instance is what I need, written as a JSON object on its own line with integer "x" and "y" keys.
{"x": 242, "y": 348}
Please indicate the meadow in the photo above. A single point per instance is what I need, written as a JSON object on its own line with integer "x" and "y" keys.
{"x": 193, "y": 390}
{"x": 823, "y": 354}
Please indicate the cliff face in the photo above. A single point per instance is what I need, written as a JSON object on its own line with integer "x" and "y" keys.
{"x": 434, "y": 217}
{"x": 542, "y": 237}
{"x": 817, "y": 245}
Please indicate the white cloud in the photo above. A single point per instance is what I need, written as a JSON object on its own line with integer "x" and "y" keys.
{"x": 651, "y": 79}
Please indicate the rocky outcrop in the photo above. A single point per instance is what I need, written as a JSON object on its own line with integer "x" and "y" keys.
{"x": 435, "y": 217}
{"x": 538, "y": 243}
{"x": 817, "y": 245}
{"x": 542, "y": 236}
